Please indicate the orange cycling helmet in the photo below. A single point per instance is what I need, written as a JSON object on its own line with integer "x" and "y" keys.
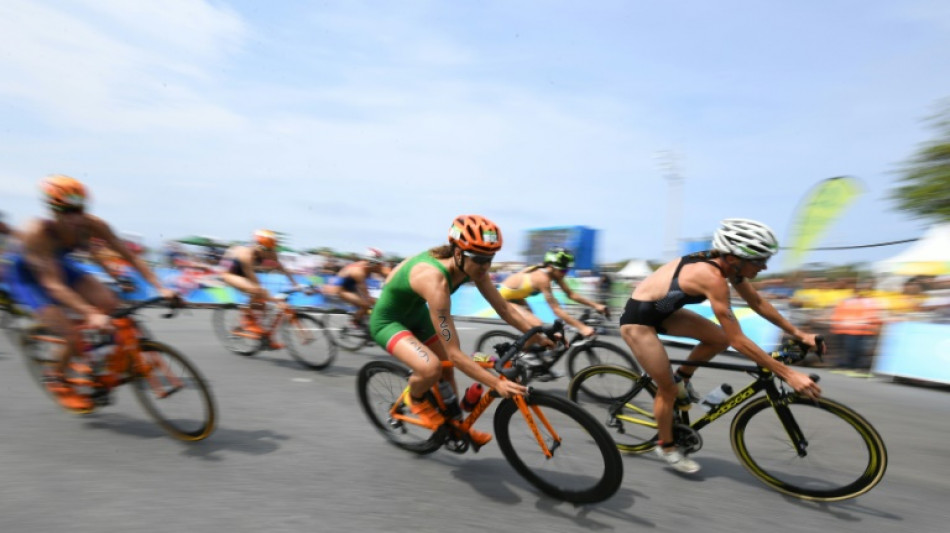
{"x": 475, "y": 233}
{"x": 266, "y": 238}
{"x": 63, "y": 193}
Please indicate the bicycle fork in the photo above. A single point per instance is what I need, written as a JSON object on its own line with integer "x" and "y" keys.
{"x": 555, "y": 438}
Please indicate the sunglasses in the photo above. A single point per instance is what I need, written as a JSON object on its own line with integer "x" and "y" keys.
{"x": 70, "y": 209}
{"x": 758, "y": 263}
{"x": 479, "y": 259}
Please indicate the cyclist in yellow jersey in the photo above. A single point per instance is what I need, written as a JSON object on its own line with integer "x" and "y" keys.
{"x": 413, "y": 317}
{"x": 741, "y": 249}
{"x": 538, "y": 278}
{"x": 44, "y": 277}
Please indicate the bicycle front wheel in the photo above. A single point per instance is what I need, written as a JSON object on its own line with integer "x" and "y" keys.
{"x": 380, "y": 385}
{"x": 597, "y": 352}
{"x": 173, "y": 392}
{"x": 486, "y": 343}
{"x": 346, "y": 335}
{"x": 584, "y": 465}
{"x": 231, "y": 333}
{"x": 622, "y": 400}
{"x": 309, "y": 341}
{"x": 843, "y": 457}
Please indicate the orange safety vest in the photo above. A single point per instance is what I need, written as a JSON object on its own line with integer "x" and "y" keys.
{"x": 856, "y": 316}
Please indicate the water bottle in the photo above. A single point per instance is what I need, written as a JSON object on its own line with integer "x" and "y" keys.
{"x": 451, "y": 401}
{"x": 472, "y": 397}
{"x": 716, "y": 397}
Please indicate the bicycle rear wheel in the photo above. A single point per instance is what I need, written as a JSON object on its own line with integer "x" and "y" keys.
{"x": 585, "y": 466}
{"x": 40, "y": 350}
{"x": 845, "y": 456}
{"x": 380, "y": 385}
{"x": 230, "y": 331}
{"x": 622, "y": 400}
{"x": 347, "y": 336}
{"x": 174, "y": 393}
{"x": 309, "y": 341}
{"x": 597, "y": 352}
{"x": 486, "y": 343}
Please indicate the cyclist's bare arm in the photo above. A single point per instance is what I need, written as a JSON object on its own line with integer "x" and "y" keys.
{"x": 501, "y": 306}
{"x": 600, "y": 308}
{"x": 99, "y": 228}
{"x": 717, "y": 291}
{"x": 767, "y": 311}
{"x": 431, "y": 285}
{"x": 560, "y": 312}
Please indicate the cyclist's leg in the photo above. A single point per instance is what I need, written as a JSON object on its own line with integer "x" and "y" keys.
{"x": 354, "y": 299}
{"x": 712, "y": 339}
{"x": 95, "y": 292}
{"x": 651, "y": 354}
{"x": 255, "y": 292}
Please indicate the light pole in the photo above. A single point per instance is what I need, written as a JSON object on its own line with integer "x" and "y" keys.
{"x": 669, "y": 162}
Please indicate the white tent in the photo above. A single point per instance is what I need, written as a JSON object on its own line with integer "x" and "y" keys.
{"x": 635, "y": 269}
{"x": 929, "y": 256}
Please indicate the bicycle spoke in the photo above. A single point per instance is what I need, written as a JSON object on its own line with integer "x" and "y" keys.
{"x": 309, "y": 341}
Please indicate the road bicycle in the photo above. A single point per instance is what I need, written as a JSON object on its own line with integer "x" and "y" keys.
{"x": 245, "y": 331}
{"x": 347, "y": 335}
{"x": 555, "y": 445}
{"x": 12, "y": 316}
{"x": 581, "y": 351}
{"x": 169, "y": 387}
{"x": 818, "y": 450}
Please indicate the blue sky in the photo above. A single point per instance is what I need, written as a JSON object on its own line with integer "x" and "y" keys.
{"x": 353, "y": 124}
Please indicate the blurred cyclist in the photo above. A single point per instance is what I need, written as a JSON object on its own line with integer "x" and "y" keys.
{"x": 537, "y": 279}
{"x": 240, "y": 265}
{"x": 44, "y": 278}
{"x": 413, "y": 317}
{"x": 741, "y": 249}
{"x": 350, "y": 283}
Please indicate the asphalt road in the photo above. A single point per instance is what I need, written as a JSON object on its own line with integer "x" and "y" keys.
{"x": 293, "y": 452}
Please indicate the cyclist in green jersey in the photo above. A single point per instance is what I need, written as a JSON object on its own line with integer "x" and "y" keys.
{"x": 413, "y": 321}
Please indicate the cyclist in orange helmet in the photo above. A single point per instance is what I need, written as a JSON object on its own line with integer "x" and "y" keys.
{"x": 240, "y": 264}
{"x": 413, "y": 321}
{"x": 350, "y": 283}
{"x": 45, "y": 278}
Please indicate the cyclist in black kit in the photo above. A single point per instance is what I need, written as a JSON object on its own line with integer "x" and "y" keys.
{"x": 741, "y": 249}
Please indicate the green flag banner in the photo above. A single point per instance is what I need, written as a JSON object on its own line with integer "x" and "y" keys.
{"x": 823, "y": 203}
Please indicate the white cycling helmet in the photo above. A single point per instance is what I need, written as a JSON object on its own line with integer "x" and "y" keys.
{"x": 746, "y": 239}
{"x": 373, "y": 255}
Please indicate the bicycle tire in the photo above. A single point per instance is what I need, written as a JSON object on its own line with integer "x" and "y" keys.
{"x": 39, "y": 357}
{"x": 380, "y": 385}
{"x": 227, "y": 326}
{"x": 840, "y": 463}
{"x": 592, "y": 478}
{"x": 487, "y": 341}
{"x": 309, "y": 342}
{"x": 174, "y": 393}
{"x": 599, "y": 391}
{"x": 345, "y": 335}
{"x": 598, "y": 352}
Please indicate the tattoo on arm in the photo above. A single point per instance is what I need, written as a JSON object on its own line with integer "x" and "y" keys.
{"x": 444, "y": 328}
{"x": 730, "y": 316}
